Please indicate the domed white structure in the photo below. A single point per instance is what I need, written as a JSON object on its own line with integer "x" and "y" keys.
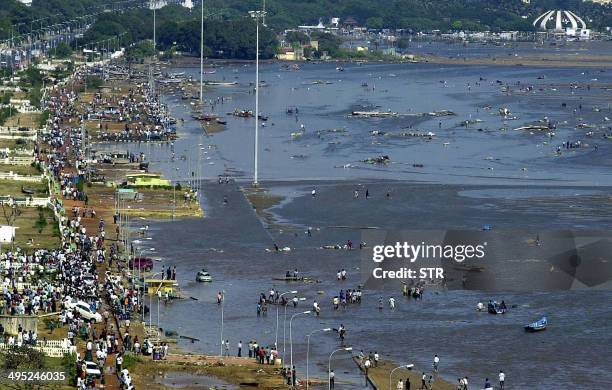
{"x": 559, "y": 21}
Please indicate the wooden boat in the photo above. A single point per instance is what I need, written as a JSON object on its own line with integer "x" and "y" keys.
{"x": 293, "y": 279}
{"x": 537, "y": 326}
{"x": 28, "y": 190}
{"x": 221, "y": 83}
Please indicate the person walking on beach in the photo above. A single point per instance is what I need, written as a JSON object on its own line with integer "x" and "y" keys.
{"x": 502, "y": 379}
{"x": 400, "y": 385}
{"x": 423, "y": 382}
{"x": 331, "y": 379}
{"x": 436, "y": 363}
{"x": 240, "y": 348}
{"x": 408, "y": 384}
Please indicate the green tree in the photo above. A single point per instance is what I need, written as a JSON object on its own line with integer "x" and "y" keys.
{"x": 63, "y": 50}
{"x": 375, "y": 23}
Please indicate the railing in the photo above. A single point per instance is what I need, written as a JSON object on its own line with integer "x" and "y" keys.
{"x": 16, "y": 177}
{"x": 17, "y": 160}
{"x": 51, "y": 348}
{"x": 26, "y": 201}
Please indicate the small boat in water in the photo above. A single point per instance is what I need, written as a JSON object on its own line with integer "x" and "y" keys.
{"x": 203, "y": 276}
{"x": 537, "y": 326}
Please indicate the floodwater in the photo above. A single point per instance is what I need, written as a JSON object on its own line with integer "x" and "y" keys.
{"x": 484, "y": 175}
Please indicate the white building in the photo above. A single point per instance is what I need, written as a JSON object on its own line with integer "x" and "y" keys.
{"x": 27, "y": 3}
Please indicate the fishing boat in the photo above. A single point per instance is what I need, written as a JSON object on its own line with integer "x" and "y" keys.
{"x": 537, "y": 326}
{"x": 203, "y": 276}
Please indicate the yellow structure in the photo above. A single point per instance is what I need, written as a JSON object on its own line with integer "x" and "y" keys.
{"x": 162, "y": 286}
{"x": 151, "y": 180}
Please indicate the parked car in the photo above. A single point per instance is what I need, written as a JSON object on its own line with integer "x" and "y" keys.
{"x": 83, "y": 309}
{"x": 92, "y": 369}
{"x": 142, "y": 263}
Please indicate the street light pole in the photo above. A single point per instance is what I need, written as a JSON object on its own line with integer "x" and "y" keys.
{"x": 280, "y": 296}
{"x": 348, "y": 349}
{"x": 291, "y": 338}
{"x": 222, "y": 304}
{"x": 256, "y": 15}
{"x": 202, "y": 56}
{"x": 308, "y": 349}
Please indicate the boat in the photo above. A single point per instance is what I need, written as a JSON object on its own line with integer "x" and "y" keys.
{"x": 537, "y": 326}
{"x": 221, "y": 83}
{"x": 28, "y": 190}
{"x": 262, "y": 117}
{"x": 290, "y": 279}
{"x": 242, "y": 113}
{"x": 496, "y": 308}
{"x": 221, "y": 122}
{"x": 203, "y": 276}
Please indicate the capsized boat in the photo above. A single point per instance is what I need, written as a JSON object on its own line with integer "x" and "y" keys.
{"x": 537, "y": 326}
{"x": 203, "y": 276}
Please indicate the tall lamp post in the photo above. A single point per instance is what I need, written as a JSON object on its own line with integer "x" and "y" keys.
{"x": 308, "y": 349}
{"x": 222, "y": 304}
{"x": 347, "y": 349}
{"x": 202, "y": 56}
{"x": 256, "y": 15}
{"x": 280, "y": 296}
{"x": 284, "y": 326}
{"x": 290, "y": 338}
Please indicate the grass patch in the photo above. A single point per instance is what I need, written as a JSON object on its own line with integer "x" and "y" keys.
{"x": 30, "y": 120}
{"x": 32, "y": 233}
{"x": 13, "y": 188}
{"x": 24, "y": 170}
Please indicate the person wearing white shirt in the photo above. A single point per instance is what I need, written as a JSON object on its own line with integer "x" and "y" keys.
{"x": 502, "y": 379}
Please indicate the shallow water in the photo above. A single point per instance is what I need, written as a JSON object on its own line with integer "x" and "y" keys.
{"x": 463, "y": 192}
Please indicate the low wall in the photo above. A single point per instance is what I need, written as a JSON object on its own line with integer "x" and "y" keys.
{"x": 11, "y": 323}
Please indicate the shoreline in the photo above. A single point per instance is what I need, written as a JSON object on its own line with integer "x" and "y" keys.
{"x": 550, "y": 61}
